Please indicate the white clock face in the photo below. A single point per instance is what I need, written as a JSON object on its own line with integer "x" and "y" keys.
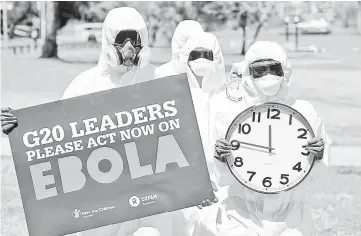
{"x": 269, "y": 155}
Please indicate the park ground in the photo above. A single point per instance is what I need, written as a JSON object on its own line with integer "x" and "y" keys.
{"x": 329, "y": 80}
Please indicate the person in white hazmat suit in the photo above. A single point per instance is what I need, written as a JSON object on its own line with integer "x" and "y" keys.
{"x": 124, "y": 60}
{"x": 183, "y": 30}
{"x": 202, "y": 58}
{"x": 266, "y": 77}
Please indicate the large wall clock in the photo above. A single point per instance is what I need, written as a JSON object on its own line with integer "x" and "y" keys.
{"x": 268, "y": 142}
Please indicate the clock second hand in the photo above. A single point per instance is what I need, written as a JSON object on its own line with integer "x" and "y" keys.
{"x": 255, "y": 145}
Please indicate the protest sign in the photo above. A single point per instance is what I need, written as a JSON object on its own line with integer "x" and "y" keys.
{"x": 109, "y": 157}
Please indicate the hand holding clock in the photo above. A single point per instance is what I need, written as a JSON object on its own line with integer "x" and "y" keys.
{"x": 316, "y": 146}
{"x": 223, "y": 148}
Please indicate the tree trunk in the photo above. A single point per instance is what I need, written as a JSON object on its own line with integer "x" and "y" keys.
{"x": 243, "y": 23}
{"x": 50, "y": 47}
{"x": 244, "y": 40}
{"x": 359, "y": 17}
{"x": 154, "y": 35}
{"x": 259, "y": 27}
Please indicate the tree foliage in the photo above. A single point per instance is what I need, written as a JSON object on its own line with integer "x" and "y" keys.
{"x": 161, "y": 17}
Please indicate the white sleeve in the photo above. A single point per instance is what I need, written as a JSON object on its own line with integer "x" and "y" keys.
{"x": 70, "y": 92}
{"x": 320, "y": 168}
{"x": 319, "y": 128}
{"x": 218, "y": 127}
{"x": 78, "y": 86}
{"x": 326, "y": 153}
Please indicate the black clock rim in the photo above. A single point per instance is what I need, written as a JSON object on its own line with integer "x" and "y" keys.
{"x": 256, "y": 107}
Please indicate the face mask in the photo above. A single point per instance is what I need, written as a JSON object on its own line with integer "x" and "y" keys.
{"x": 200, "y": 66}
{"x": 269, "y": 85}
{"x": 126, "y": 56}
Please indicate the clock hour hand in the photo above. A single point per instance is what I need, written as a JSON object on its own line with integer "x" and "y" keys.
{"x": 235, "y": 144}
{"x": 269, "y": 138}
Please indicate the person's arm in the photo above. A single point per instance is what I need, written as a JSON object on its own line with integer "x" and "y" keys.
{"x": 321, "y": 143}
{"x": 218, "y": 127}
{"x": 320, "y": 168}
{"x": 69, "y": 92}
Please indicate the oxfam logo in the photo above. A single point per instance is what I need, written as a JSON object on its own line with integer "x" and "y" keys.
{"x": 134, "y": 201}
{"x": 76, "y": 213}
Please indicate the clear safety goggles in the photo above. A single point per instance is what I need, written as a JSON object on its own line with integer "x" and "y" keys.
{"x": 200, "y": 53}
{"x": 125, "y": 36}
{"x": 261, "y": 68}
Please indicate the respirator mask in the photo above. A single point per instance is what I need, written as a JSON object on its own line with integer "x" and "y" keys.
{"x": 127, "y": 50}
{"x": 267, "y": 76}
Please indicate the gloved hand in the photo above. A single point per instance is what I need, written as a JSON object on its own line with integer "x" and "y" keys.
{"x": 236, "y": 72}
{"x": 8, "y": 120}
{"x": 316, "y": 146}
{"x": 222, "y": 149}
{"x": 208, "y": 202}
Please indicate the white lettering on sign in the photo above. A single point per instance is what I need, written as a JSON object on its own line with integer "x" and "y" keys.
{"x": 46, "y": 135}
{"x": 72, "y": 169}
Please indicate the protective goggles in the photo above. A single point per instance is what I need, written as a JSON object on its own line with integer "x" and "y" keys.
{"x": 259, "y": 69}
{"x": 125, "y": 36}
{"x": 200, "y": 53}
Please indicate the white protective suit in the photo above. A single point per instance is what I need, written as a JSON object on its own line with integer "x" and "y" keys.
{"x": 104, "y": 77}
{"x": 183, "y": 30}
{"x": 243, "y": 211}
{"x": 212, "y": 82}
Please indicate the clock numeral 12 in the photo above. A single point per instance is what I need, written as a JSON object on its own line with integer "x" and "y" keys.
{"x": 275, "y": 116}
{"x": 238, "y": 162}
{"x": 245, "y": 129}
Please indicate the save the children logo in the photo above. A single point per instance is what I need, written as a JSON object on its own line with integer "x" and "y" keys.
{"x": 76, "y": 213}
{"x": 86, "y": 214}
{"x": 135, "y": 201}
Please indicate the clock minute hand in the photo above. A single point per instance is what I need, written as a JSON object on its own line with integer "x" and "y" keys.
{"x": 269, "y": 138}
{"x": 255, "y": 145}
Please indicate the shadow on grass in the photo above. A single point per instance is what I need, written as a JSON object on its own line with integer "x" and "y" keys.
{"x": 69, "y": 61}
{"x": 347, "y": 170}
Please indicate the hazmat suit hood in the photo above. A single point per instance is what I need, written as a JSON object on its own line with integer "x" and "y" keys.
{"x": 182, "y": 32}
{"x": 118, "y": 19}
{"x": 215, "y": 78}
{"x": 265, "y": 50}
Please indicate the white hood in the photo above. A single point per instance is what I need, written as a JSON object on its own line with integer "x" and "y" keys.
{"x": 265, "y": 50}
{"x": 215, "y": 79}
{"x": 182, "y": 32}
{"x": 118, "y": 19}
